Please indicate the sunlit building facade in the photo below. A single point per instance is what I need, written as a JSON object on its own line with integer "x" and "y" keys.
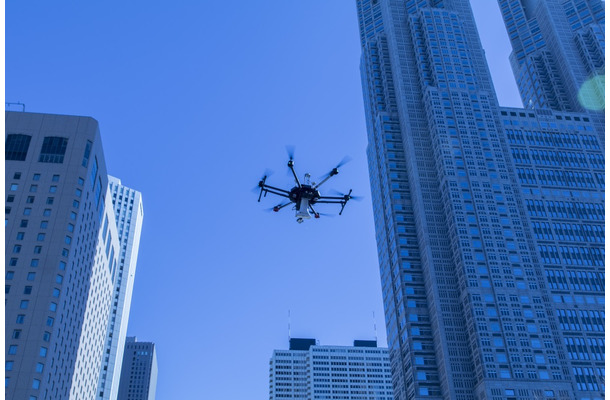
{"x": 309, "y": 371}
{"x": 489, "y": 220}
{"x": 61, "y": 256}
{"x": 129, "y": 214}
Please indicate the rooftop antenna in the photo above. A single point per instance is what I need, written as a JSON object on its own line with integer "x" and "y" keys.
{"x": 374, "y": 325}
{"x": 8, "y": 105}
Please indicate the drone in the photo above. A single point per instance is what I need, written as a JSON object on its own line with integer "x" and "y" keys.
{"x": 304, "y": 195}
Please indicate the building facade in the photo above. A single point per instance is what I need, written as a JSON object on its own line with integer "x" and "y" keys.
{"x": 139, "y": 371}
{"x": 310, "y": 371}
{"x": 129, "y": 213}
{"x": 488, "y": 219}
{"x": 558, "y": 52}
{"x": 61, "y": 256}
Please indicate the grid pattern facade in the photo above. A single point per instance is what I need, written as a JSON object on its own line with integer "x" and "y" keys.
{"x": 557, "y": 46}
{"x": 129, "y": 213}
{"x": 456, "y": 243}
{"x": 59, "y": 259}
{"x": 139, "y": 371}
{"x": 330, "y": 372}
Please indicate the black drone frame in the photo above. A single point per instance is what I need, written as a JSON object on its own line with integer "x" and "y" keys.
{"x": 304, "y": 191}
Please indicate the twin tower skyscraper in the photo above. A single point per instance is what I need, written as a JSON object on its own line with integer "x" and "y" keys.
{"x": 72, "y": 238}
{"x": 489, "y": 219}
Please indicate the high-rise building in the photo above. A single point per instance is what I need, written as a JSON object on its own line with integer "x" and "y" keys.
{"x": 489, "y": 220}
{"x": 61, "y": 256}
{"x": 139, "y": 371}
{"x": 127, "y": 204}
{"x": 308, "y": 371}
{"x": 558, "y": 52}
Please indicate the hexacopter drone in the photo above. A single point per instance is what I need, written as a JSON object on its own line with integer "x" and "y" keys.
{"x": 305, "y": 195}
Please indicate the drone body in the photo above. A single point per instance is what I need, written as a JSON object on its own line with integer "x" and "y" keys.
{"x": 304, "y": 195}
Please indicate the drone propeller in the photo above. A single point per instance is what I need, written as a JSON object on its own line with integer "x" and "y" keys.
{"x": 277, "y": 208}
{"x": 261, "y": 182}
{"x": 290, "y": 151}
{"x": 347, "y": 196}
{"x": 334, "y": 171}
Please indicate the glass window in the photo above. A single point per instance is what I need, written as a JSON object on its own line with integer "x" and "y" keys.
{"x": 31, "y": 276}
{"x": 10, "y": 275}
{"x": 53, "y": 149}
{"x": 33, "y": 188}
{"x": 44, "y": 224}
{"x": 55, "y": 178}
{"x": 27, "y": 290}
{"x": 12, "y": 349}
{"x": 17, "y": 175}
{"x": 10, "y": 199}
{"x": 27, "y": 211}
{"x": 16, "y": 147}
{"x": 43, "y": 352}
{"x": 14, "y": 187}
{"x": 39, "y": 367}
{"x": 40, "y": 237}
{"x": 36, "y": 177}
{"x": 53, "y": 189}
{"x": 35, "y": 384}
{"x": 20, "y": 318}
{"x": 34, "y": 262}
{"x": 24, "y": 304}
{"x": 8, "y": 366}
{"x": 46, "y": 212}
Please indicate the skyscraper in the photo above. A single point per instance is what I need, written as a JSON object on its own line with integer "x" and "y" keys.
{"x": 139, "y": 371}
{"x": 558, "y": 52}
{"x": 489, "y": 220}
{"x": 61, "y": 256}
{"x": 308, "y": 371}
{"x": 127, "y": 204}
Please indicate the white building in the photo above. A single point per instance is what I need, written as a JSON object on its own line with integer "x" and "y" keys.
{"x": 308, "y": 371}
{"x": 127, "y": 204}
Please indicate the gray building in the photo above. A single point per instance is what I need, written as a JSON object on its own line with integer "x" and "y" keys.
{"x": 139, "y": 371}
{"x": 309, "y": 371}
{"x": 61, "y": 256}
{"x": 129, "y": 213}
{"x": 489, "y": 220}
{"x": 558, "y": 52}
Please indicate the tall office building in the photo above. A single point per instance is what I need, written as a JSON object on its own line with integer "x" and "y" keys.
{"x": 489, "y": 220}
{"x": 308, "y": 371}
{"x": 61, "y": 256}
{"x": 139, "y": 371}
{"x": 129, "y": 214}
{"x": 558, "y": 52}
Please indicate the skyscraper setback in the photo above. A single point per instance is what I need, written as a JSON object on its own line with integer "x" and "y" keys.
{"x": 489, "y": 219}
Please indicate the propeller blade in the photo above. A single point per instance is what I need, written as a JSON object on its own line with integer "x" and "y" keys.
{"x": 344, "y": 161}
{"x": 290, "y": 151}
{"x": 335, "y": 170}
{"x": 351, "y": 197}
{"x": 276, "y": 208}
{"x": 266, "y": 175}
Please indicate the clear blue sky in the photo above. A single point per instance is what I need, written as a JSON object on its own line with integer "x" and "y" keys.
{"x": 195, "y": 99}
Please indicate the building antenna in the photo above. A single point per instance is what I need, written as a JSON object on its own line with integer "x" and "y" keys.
{"x": 374, "y": 325}
{"x": 289, "y": 325}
